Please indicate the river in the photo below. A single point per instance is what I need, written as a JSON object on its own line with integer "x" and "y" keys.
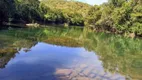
{"x": 55, "y": 53}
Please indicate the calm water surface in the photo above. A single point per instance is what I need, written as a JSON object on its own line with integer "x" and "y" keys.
{"x": 61, "y": 58}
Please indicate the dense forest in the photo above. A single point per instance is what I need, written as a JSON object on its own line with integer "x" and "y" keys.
{"x": 70, "y": 12}
{"x": 115, "y": 16}
{"x": 44, "y": 11}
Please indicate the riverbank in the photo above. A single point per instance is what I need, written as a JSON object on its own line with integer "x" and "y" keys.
{"x": 91, "y": 28}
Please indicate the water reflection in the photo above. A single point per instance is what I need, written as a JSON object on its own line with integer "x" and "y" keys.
{"x": 6, "y": 55}
{"x": 45, "y": 61}
{"x": 68, "y": 54}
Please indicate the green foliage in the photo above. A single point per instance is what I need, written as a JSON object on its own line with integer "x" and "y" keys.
{"x": 7, "y": 9}
{"x": 63, "y": 11}
{"x": 45, "y": 11}
{"x": 94, "y": 15}
{"x": 118, "y": 16}
{"x": 117, "y": 53}
{"x": 117, "y": 3}
{"x": 28, "y": 10}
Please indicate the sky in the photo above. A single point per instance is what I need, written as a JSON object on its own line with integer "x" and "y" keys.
{"x": 93, "y": 2}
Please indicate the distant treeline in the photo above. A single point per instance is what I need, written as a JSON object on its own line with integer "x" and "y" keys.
{"x": 117, "y": 16}
{"x": 46, "y": 11}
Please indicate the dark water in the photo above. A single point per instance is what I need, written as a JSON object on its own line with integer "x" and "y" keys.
{"x": 60, "y": 54}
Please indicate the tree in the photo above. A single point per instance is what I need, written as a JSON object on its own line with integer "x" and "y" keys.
{"x": 117, "y": 3}
{"x": 7, "y": 10}
{"x": 28, "y": 10}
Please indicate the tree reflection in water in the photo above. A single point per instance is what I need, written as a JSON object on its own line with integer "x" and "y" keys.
{"x": 118, "y": 54}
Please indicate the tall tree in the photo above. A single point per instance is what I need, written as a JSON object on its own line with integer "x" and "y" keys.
{"x": 117, "y": 3}
{"x": 7, "y": 9}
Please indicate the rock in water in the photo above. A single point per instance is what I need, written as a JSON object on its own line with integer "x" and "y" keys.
{"x": 32, "y": 25}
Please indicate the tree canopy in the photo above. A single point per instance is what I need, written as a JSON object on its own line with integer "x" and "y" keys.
{"x": 48, "y": 11}
{"x": 117, "y": 16}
